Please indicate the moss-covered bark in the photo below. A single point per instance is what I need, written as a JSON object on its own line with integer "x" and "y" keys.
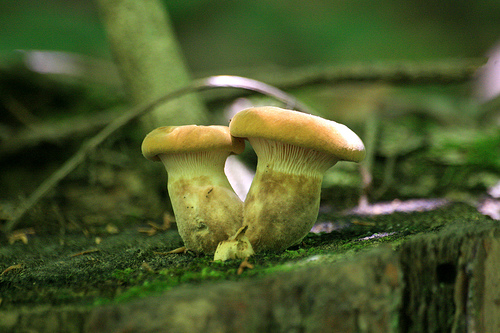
{"x": 434, "y": 271}
{"x": 452, "y": 280}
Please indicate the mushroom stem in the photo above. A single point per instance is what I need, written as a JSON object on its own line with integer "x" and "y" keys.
{"x": 206, "y": 208}
{"x": 283, "y": 201}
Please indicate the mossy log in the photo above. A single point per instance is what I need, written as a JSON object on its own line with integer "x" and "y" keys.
{"x": 452, "y": 280}
{"x": 445, "y": 279}
{"x": 355, "y": 295}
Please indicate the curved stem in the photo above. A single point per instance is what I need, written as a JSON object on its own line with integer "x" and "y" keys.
{"x": 138, "y": 111}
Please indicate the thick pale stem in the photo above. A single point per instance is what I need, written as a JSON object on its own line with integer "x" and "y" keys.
{"x": 283, "y": 202}
{"x": 206, "y": 209}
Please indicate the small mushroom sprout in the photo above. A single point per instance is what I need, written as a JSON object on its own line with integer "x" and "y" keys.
{"x": 294, "y": 150}
{"x": 236, "y": 247}
{"x": 206, "y": 208}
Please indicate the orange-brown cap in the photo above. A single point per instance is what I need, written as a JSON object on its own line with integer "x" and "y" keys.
{"x": 190, "y": 138}
{"x": 299, "y": 129}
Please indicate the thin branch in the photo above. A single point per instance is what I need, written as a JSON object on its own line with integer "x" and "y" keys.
{"x": 435, "y": 72}
{"x": 395, "y": 72}
{"x": 126, "y": 118}
{"x": 57, "y": 131}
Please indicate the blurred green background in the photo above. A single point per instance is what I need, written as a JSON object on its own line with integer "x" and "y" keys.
{"x": 219, "y": 35}
{"x": 426, "y": 139}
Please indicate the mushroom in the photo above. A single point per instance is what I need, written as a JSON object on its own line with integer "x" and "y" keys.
{"x": 237, "y": 246}
{"x": 206, "y": 208}
{"x": 294, "y": 150}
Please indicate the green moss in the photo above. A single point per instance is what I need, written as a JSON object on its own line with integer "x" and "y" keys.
{"x": 122, "y": 274}
{"x": 360, "y": 234}
{"x": 129, "y": 265}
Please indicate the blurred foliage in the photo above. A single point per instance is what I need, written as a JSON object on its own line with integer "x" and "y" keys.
{"x": 224, "y": 34}
{"x": 467, "y": 147}
{"x": 429, "y": 142}
{"x": 71, "y": 26}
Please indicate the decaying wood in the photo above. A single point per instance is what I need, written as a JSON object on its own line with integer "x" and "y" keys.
{"x": 445, "y": 281}
{"x": 348, "y": 296}
{"x": 452, "y": 280}
{"x": 437, "y": 281}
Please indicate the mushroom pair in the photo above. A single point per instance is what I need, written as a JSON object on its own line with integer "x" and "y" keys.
{"x": 294, "y": 150}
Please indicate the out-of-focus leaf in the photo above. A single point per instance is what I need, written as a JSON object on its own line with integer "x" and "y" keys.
{"x": 473, "y": 147}
{"x": 51, "y": 25}
{"x": 343, "y": 174}
{"x": 399, "y": 137}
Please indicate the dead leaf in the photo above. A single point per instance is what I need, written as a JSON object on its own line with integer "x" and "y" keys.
{"x": 244, "y": 264}
{"x": 84, "y": 252}
{"x": 10, "y": 268}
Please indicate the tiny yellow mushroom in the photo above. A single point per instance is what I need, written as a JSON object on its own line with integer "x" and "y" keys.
{"x": 236, "y": 247}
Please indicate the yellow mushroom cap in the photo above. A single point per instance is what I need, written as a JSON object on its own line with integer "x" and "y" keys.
{"x": 190, "y": 138}
{"x": 298, "y": 129}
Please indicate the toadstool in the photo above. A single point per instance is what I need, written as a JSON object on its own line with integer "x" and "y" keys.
{"x": 294, "y": 150}
{"x": 206, "y": 208}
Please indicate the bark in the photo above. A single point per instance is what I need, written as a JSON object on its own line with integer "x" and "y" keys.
{"x": 353, "y": 296}
{"x": 452, "y": 280}
{"x": 437, "y": 281}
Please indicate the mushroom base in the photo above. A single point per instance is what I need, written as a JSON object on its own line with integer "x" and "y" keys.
{"x": 206, "y": 213}
{"x": 280, "y": 209}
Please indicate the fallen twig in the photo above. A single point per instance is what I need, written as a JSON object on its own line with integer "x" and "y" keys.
{"x": 244, "y": 264}
{"x": 394, "y": 72}
{"x": 84, "y": 252}
{"x": 138, "y": 111}
{"x": 178, "y": 250}
{"x": 10, "y": 268}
